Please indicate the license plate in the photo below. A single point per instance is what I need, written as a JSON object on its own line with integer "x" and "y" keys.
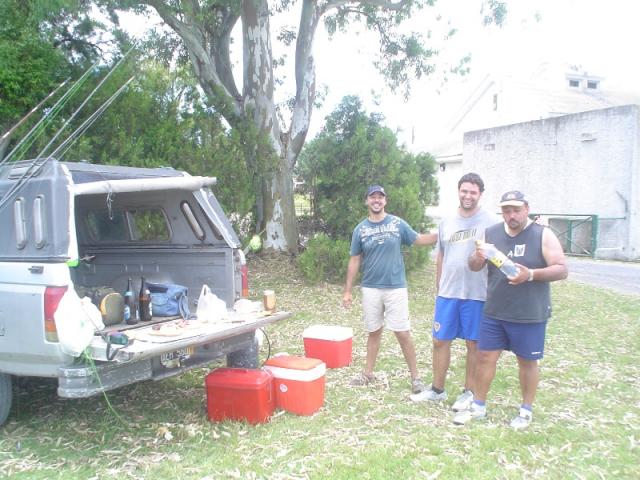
{"x": 174, "y": 359}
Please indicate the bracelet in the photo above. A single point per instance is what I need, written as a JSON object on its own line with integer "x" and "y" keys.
{"x": 530, "y": 279}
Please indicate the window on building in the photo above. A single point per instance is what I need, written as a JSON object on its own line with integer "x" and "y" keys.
{"x": 592, "y": 84}
{"x": 495, "y": 101}
{"x": 574, "y": 83}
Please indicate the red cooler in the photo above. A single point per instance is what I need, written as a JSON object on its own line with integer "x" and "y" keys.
{"x": 331, "y": 344}
{"x": 240, "y": 394}
{"x": 299, "y": 383}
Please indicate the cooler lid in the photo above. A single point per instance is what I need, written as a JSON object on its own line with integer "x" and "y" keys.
{"x": 293, "y": 362}
{"x": 238, "y": 377}
{"x": 328, "y": 332}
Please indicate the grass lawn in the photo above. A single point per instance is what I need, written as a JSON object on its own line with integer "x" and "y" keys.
{"x": 586, "y": 417}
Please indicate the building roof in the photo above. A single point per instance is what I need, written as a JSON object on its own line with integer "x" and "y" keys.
{"x": 509, "y": 99}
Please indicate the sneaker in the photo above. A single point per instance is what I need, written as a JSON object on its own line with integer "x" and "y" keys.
{"x": 417, "y": 386}
{"x": 474, "y": 412}
{"x": 362, "y": 380}
{"x": 523, "y": 419}
{"x": 428, "y": 395}
{"x": 463, "y": 402}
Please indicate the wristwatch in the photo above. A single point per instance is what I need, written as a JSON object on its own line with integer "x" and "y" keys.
{"x": 530, "y": 279}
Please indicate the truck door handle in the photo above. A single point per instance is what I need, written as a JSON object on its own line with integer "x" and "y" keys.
{"x": 36, "y": 269}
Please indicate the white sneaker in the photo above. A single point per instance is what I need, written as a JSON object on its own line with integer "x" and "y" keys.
{"x": 428, "y": 395}
{"x": 523, "y": 419}
{"x": 474, "y": 412}
{"x": 463, "y": 402}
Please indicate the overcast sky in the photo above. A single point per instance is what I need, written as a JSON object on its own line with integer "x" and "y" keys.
{"x": 600, "y": 36}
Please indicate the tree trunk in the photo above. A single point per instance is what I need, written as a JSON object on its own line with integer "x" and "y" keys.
{"x": 276, "y": 207}
{"x": 206, "y": 35}
{"x": 279, "y": 210}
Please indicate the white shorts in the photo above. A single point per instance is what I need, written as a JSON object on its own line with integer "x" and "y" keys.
{"x": 385, "y": 307}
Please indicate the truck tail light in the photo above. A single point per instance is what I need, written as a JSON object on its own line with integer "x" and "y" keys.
{"x": 244, "y": 272}
{"x": 52, "y": 297}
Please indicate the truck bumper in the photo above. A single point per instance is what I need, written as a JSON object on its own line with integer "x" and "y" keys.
{"x": 82, "y": 381}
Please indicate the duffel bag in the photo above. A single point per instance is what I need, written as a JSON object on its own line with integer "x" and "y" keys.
{"x": 169, "y": 299}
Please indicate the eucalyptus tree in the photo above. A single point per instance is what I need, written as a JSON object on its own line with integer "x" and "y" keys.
{"x": 250, "y": 107}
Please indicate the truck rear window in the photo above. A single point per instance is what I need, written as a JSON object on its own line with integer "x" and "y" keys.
{"x": 142, "y": 224}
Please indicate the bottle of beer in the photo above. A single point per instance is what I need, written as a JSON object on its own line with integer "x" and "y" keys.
{"x": 144, "y": 302}
{"x": 130, "y": 312}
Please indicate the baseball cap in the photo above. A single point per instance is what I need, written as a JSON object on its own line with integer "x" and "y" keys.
{"x": 376, "y": 189}
{"x": 514, "y": 198}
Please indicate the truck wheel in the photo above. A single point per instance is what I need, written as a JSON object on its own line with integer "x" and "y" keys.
{"x": 247, "y": 358}
{"x": 6, "y": 394}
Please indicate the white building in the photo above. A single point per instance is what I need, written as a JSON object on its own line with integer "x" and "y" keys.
{"x": 551, "y": 91}
{"x": 581, "y": 171}
{"x": 536, "y": 145}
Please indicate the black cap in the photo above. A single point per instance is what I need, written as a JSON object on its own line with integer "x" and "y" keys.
{"x": 514, "y": 198}
{"x": 376, "y": 189}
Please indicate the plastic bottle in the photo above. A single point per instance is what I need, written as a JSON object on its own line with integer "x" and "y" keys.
{"x": 499, "y": 259}
{"x": 130, "y": 312}
{"x": 144, "y": 302}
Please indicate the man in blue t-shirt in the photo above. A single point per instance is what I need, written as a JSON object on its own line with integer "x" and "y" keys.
{"x": 376, "y": 247}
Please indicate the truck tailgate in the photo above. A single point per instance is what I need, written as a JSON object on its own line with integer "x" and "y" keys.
{"x": 145, "y": 342}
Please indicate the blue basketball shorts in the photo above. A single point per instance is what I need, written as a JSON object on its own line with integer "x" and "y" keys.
{"x": 526, "y": 340}
{"x": 457, "y": 318}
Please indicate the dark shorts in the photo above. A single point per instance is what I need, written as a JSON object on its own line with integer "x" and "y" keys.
{"x": 457, "y": 318}
{"x": 526, "y": 340}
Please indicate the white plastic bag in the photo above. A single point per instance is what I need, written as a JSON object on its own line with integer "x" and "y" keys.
{"x": 210, "y": 307}
{"x": 76, "y": 320}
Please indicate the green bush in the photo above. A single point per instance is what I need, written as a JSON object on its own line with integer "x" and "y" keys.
{"x": 325, "y": 259}
{"x": 354, "y": 150}
{"x": 416, "y": 257}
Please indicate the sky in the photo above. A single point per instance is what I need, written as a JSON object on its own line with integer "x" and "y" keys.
{"x": 597, "y": 35}
{"x": 600, "y": 36}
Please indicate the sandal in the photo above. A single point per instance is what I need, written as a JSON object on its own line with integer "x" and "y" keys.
{"x": 362, "y": 380}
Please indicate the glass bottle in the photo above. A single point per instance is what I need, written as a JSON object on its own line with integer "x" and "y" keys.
{"x": 130, "y": 312}
{"x": 144, "y": 302}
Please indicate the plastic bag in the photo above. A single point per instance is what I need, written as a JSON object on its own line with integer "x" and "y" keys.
{"x": 76, "y": 321}
{"x": 169, "y": 299}
{"x": 210, "y": 307}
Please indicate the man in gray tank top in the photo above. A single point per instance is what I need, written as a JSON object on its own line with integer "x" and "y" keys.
{"x": 517, "y": 308}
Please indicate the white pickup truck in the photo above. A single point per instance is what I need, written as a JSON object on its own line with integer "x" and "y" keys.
{"x": 69, "y": 225}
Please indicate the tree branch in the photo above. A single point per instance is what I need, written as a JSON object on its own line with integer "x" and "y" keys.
{"x": 220, "y": 46}
{"x": 305, "y": 77}
{"x": 193, "y": 33}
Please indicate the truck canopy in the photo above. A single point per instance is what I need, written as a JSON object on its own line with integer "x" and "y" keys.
{"x": 50, "y": 192}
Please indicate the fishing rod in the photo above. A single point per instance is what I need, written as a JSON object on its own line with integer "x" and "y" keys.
{"x": 86, "y": 100}
{"x": 70, "y": 140}
{"x": 32, "y": 111}
{"x": 48, "y": 117}
{"x": 39, "y": 161}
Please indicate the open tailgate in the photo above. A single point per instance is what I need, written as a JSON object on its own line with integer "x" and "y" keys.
{"x": 145, "y": 342}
